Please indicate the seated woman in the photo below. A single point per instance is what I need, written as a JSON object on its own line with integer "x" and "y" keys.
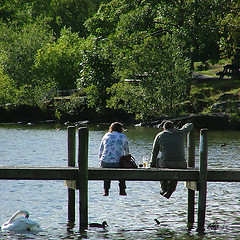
{"x": 114, "y": 144}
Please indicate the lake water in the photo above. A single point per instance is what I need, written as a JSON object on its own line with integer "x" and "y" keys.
{"x": 128, "y": 217}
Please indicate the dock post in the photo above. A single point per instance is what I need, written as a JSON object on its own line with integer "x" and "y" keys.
{"x": 83, "y": 177}
{"x": 71, "y": 163}
{"x": 191, "y": 164}
{"x": 203, "y": 148}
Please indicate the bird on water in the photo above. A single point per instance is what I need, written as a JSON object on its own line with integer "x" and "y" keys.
{"x": 157, "y": 222}
{"x": 20, "y": 222}
{"x": 99, "y": 225}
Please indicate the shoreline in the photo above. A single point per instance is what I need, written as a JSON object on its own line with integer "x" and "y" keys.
{"x": 213, "y": 121}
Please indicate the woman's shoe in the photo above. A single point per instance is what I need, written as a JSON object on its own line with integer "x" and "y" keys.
{"x": 105, "y": 192}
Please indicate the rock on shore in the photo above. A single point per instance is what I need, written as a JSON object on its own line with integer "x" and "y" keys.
{"x": 214, "y": 121}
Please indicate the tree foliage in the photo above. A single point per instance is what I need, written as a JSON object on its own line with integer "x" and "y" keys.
{"x": 60, "y": 61}
{"x": 97, "y": 74}
{"x": 98, "y": 44}
{"x": 230, "y": 28}
{"x": 18, "y": 46}
{"x": 161, "y": 75}
{"x": 197, "y": 23}
{"x": 105, "y": 21}
{"x": 71, "y": 14}
{"x": 7, "y": 89}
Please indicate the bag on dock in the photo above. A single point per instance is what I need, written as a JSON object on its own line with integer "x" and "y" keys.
{"x": 128, "y": 161}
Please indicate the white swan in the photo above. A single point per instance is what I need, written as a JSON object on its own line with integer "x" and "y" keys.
{"x": 20, "y": 222}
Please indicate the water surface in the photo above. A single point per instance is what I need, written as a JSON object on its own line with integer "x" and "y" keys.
{"x": 130, "y": 217}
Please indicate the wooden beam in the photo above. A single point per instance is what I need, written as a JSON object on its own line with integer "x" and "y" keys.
{"x": 223, "y": 175}
{"x": 142, "y": 174}
{"x": 71, "y": 173}
{"x": 39, "y": 173}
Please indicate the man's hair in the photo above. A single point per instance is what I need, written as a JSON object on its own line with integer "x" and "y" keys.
{"x": 168, "y": 125}
{"x": 116, "y": 126}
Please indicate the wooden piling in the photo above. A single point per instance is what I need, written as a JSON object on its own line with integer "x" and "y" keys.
{"x": 191, "y": 192}
{"x": 83, "y": 177}
{"x": 203, "y": 148}
{"x": 71, "y": 163}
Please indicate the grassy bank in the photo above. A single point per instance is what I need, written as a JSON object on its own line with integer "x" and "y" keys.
{"x": 208, "y": 87}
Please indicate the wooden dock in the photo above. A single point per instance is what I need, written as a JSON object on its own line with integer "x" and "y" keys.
{"x": 82, "y": 174}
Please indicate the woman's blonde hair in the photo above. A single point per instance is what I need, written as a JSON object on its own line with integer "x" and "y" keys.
{"x": 116, "y": 126}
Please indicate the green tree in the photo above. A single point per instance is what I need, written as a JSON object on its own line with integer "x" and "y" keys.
{"x": 19, "y": 47}
{"x": 71, "y": 14}
{"x": 8, "y": 90}
{"x": 230, "y": 28}
{"x": 105, "y": 21}
{"x": 96, "y": 75}
{"x": 141, "y": 50}
{"x": 57, "y": 13}
{"x": 132, "y": 30}
{"x": 161, "y": 75}
{"x": 18, "y": 12}
{"x": 196, "y": 22}
{"x": 60, "y": 61}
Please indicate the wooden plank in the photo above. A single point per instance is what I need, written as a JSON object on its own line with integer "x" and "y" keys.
{"x": 223, "y": 175}
{"x": 142, "y": 174}
{"x": 71, "y": 173}
{"x": 39, "y": 173}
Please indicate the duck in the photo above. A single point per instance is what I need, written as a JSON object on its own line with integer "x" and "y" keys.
{"x": 99, "y": 225}
{"x": 157, "y": 222}
{"x": 20, "y": 222}
{"x": 214, "y": 225}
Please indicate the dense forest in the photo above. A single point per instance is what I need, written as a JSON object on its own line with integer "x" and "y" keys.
{"x": 135, "y": 55}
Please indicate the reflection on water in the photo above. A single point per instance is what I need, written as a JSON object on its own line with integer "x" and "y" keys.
{"x": 130, "y": 217}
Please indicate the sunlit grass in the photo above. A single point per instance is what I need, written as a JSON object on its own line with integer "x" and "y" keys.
{"x": 213, "y": 69}
{"x": 210, "y": 89}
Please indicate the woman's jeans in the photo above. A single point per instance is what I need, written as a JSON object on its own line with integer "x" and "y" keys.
{"x": 107, "y": 183}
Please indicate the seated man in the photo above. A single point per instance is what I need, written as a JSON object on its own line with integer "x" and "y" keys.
{"x": 170, "y": 142}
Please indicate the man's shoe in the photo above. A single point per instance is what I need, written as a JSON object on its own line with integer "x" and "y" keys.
{"x": 168, "y": 195}
{"x": 162, "y": 192}
{"x": 105, "y": 192}
{"x": 123, "y": 193}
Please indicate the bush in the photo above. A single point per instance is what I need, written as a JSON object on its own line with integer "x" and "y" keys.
{"x": 60, "y": 61}
{"x": 7, "y": 89}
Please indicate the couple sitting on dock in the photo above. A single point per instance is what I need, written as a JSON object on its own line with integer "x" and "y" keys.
{"x": 170, "y": 142}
